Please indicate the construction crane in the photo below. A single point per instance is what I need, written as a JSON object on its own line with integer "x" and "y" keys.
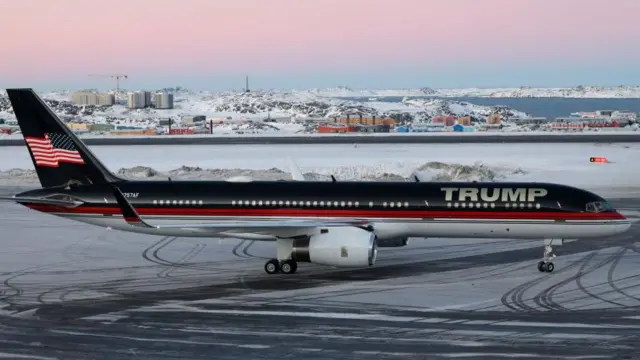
{"x": 113, "y": 76}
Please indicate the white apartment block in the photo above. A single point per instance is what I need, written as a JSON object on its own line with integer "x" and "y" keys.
{"x": 138, "y": 99}
{"x": 92, "y": 98}
{"x": 164, "y": 101}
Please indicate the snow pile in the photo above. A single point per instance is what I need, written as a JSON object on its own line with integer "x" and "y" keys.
{"x": 18, "y": 177}
{"x": 398, "y": 171}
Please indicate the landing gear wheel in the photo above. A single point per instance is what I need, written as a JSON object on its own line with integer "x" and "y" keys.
{"x": 288, "y": 266}
{"x": 272, "y": 267}
{"x": 546, "y": 265}
{"x": 549, "y": 267}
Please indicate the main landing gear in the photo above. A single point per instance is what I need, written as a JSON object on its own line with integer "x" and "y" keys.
{"x": 275, "y": 266}
{"x": 546, "y": 265}
{"x": 283, "y": 263}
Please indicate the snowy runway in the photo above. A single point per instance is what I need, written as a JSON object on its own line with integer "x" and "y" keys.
{"x": 69, "y": 290}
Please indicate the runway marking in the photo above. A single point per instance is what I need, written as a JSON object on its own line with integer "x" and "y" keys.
{"x": 419, "y": 339}
{"x": 509, "y": 355}
{"x": 503, "y": 333}
{"x": 459, "y": 306}
{"x": 18, "y": 356}
{"x": 325, "y": 315}
{"x": 355, "y": 316}
{"x": 385, "y": 353}
{"x": 517, "y": 355}
{"x": 160, "y": 340}
{"x": 106, "y": 318}
{"x": 571, "y": 325}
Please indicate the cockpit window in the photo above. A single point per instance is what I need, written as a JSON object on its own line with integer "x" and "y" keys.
{"x": 599, "y": 206}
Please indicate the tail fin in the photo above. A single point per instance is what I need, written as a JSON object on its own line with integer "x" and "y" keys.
{"x": 60, "y": 158}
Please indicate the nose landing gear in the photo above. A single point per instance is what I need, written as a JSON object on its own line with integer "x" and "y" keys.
{"x": 546, "y": 265}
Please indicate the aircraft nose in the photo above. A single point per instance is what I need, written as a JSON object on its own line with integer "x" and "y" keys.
{"x": 623, "y": 223}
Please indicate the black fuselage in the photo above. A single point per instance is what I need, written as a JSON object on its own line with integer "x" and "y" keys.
{"x": 325, "y": 198}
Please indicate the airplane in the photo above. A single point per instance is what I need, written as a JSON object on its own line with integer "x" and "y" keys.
{"x": 332, "y": 223}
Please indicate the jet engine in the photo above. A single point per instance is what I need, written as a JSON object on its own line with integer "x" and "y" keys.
{"x": 339, "y": 246}
{"x": 395, "y": 242}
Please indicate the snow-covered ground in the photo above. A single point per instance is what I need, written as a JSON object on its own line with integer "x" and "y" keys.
{"x": 574, "y": 92}
{"x": 243, "y": 113}
{"x": 563, "y": 163}
{"x": 261, "y": 105}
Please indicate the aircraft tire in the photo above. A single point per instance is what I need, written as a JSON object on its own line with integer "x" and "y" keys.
{"x": 542, "y": 266}
{"x": 288, "y": 267}
{"x": 272, "y": 266}
{"x": 550, "y": 267}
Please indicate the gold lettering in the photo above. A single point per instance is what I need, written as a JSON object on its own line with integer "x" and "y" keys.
{"x": 514, "y": 195}
{"x": 536, "y": 193}
{"x": 448, "y": 193}
{"x": 484, "y": 194}
{"x": 468, "y": 194}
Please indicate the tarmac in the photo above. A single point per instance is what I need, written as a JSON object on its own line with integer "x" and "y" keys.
{"x": 379, "y": 138}
{"x": 75, "y": 291}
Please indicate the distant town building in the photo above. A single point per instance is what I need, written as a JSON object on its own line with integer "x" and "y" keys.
{"x": 531, "y": 120}
{"x": 191, "y": 120}
{"x": 106, "y": 99}
{"x": 92, "y": 98}
{"x": 147, "y": 98}
{"x": 164, "y": 101}
{"x": 165, "y": 122}
{"x": 466, "y": 120}
{"x": 138, "y": 99}
{"x": 101, "y": 127}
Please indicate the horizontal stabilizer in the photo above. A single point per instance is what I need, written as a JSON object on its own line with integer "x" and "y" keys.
{"x": 128, "y": 212}
{"x": 54, "y": 202}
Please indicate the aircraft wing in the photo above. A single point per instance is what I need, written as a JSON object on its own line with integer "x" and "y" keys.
{"x": 55, "y": 202}
{"x": 132, "y": 217}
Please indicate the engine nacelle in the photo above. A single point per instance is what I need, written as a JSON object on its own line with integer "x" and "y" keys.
{"x": 338, "y": 246}
{"x": 395, "y": 242}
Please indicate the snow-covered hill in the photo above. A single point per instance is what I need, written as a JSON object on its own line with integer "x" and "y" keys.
{"x": 260, "y": 105}
{"x": 575, "y": 92}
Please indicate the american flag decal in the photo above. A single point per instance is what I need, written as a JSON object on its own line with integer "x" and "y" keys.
{"x": 53, "y": 149}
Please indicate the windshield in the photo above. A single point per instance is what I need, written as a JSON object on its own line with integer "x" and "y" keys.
{"x": 599, "y": 206}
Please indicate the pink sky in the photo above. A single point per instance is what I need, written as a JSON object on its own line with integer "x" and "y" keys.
{"x": 72, "y": 38}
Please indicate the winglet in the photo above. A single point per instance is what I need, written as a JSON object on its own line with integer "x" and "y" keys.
{"x": 128, "y": 212}
{"x": 416, "y": 178}
{"x": 333, "y": 179}
{"x": 296, "y": 174}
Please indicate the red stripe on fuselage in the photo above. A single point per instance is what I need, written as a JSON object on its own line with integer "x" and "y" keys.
{"x": 347, "y": 213}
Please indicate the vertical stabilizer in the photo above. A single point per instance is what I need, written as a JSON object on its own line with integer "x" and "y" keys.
{"x": 60, "y": 158}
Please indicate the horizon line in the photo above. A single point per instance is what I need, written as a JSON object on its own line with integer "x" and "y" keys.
{"x": 338, "y": 87}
